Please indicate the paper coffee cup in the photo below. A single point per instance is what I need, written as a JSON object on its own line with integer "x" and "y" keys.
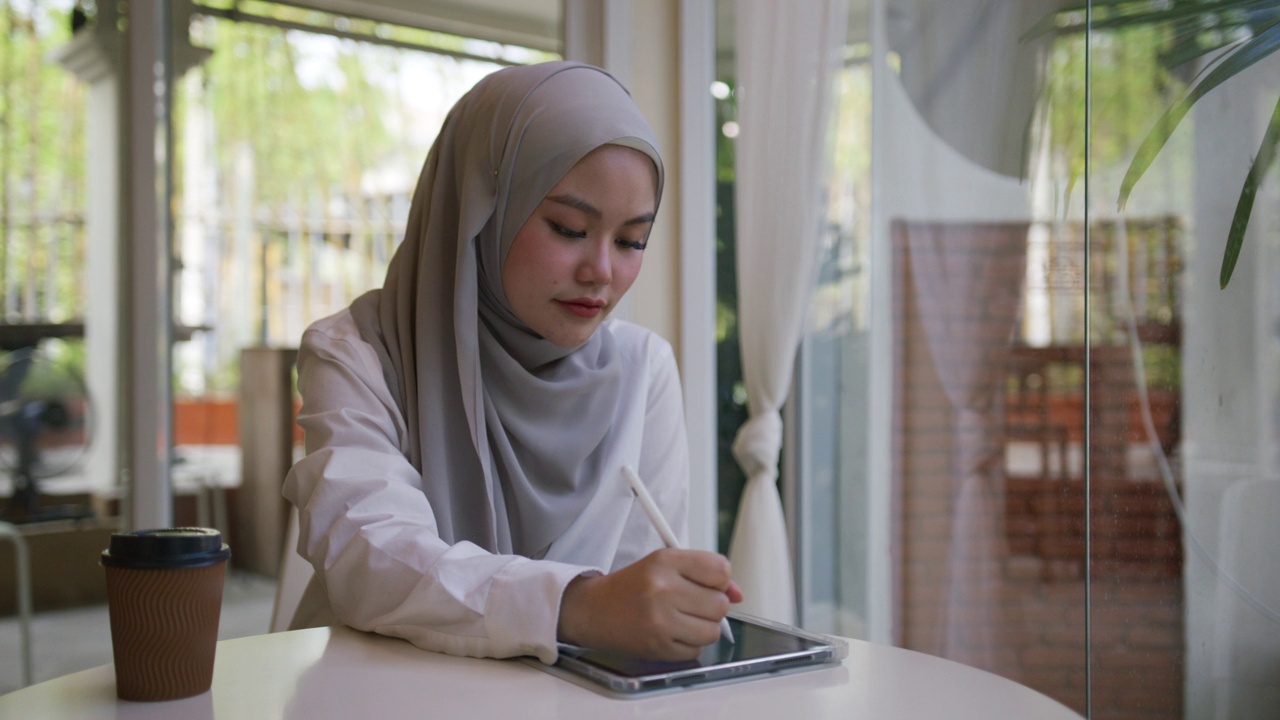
{"x": 164, "y": 597}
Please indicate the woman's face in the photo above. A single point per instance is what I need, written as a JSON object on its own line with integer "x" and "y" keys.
{"x": 580, "y": 250}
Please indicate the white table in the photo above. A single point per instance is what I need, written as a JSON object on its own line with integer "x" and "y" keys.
{"x": 340, "y": 673}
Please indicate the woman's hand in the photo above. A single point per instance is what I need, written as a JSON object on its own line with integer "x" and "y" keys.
{"x": 666, "y": 606}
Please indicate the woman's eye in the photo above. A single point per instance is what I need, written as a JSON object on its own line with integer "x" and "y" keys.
{"x": 632, "y": 244}
{"x": 559, "y": 229}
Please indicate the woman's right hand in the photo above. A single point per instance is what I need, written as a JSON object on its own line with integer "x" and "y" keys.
{"x": 666, "y": 606}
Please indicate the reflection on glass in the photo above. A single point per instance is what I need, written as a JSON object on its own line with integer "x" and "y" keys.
{"x": 1038, "y": 410}
{"x": 1201, "y": 376}
{"x": 970, "y": 194}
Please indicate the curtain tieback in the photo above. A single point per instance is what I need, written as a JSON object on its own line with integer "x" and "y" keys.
{"x": 758, "y": 443}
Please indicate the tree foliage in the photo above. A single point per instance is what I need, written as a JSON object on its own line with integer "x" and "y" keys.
{"x": 41, "y": 167}
{"x": 1227, "y": 37}
{"x": 321, "y": 127}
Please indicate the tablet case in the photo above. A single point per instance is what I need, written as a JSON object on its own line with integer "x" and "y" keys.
{"x": 763, "y": 648}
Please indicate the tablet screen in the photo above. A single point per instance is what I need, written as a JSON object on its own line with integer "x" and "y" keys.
{"x": 753, "y": 642}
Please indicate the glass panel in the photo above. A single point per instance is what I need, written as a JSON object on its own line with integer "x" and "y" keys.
{"x": 942, "y": 402}
{"x": 48, "y": 416}
{"x": 42, "y": 151}
{"x": 298, "y": 153}
{"x": 44, "y": 406}
{"x": 1183, "y": 404}
{"x": 1036, "y": 435}
{"x": 835, "y": 359}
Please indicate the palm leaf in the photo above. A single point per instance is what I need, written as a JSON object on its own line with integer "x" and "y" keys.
{"x": 1265, "y": 42}
{"x": 1111, "y": 14}
{"x": 1195, "y": 37}
{"x": 1190, "y": 20}
{"x": 1177, "y": 13}
{"x": 1186, "y": 49}
{"x": 1244, "y": 208}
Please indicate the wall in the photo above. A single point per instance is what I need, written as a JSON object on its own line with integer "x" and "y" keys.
{"x": 663, "y": 50}
{"x": 655, "y": 83}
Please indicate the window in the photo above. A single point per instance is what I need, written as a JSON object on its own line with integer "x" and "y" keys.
{"x": 1029, "y": 431}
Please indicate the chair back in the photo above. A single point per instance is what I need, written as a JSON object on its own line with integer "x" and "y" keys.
{"x": 295, "y": 574}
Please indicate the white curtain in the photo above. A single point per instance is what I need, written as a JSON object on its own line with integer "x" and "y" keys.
{"x": 787, "y": 57}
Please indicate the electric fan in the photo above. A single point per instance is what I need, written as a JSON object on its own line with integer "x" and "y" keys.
{"x": 44, "y": 431}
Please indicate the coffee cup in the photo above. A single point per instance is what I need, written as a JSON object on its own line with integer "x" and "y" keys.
{"x": 164, "y": 598}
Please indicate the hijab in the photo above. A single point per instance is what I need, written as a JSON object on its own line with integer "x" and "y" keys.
{"x": 510, "y": 432}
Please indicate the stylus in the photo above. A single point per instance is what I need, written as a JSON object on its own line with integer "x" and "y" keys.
{"x": 664, "y": 530}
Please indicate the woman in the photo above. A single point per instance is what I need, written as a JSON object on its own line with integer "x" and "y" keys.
{"x": 467, "y": 423}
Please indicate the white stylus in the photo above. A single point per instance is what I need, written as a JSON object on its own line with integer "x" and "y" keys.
{"x": 664, "y": 530}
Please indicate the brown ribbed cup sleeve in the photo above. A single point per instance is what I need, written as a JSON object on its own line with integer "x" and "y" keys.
{"x": 164, "y": 628}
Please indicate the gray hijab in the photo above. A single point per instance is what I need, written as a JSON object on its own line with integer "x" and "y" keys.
{"x": 510, "y": 432}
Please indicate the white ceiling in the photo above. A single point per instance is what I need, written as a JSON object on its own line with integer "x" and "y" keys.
{"x": 531, "y": 23}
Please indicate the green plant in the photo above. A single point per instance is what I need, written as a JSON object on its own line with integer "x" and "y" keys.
{"x": 1230, "y": 36}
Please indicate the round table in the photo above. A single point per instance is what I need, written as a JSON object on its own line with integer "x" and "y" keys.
{"x": 341, "y": 673}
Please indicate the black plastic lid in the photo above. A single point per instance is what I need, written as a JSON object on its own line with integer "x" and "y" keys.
{"x": 181, "y": 547}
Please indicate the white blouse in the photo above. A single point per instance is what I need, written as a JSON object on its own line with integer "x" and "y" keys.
{"x": 369, "y": 531}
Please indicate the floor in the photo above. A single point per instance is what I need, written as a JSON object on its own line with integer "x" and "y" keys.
{"x": 66, "y": 641}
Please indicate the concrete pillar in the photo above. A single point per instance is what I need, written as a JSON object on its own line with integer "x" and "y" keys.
{"x": 127, "y": 323}
{"x": 94, "y": 56}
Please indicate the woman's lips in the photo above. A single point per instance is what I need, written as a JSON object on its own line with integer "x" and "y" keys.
{"x": 583, "y": 307}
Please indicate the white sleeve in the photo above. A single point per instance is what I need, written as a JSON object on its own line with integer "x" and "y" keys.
{"x": 369, "y": 531}
{"x": 664, "y": 459}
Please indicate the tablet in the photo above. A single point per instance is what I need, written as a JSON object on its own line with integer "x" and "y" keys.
{"x": 761, "y": 648}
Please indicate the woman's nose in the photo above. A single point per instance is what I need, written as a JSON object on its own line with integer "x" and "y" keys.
{"x": 596, "y": 266}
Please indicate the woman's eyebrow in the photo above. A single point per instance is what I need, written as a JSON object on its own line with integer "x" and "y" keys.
{"x": 578, "y": 203}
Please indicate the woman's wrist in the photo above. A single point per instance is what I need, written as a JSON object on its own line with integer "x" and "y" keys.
{"x": 570, "y": 626}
